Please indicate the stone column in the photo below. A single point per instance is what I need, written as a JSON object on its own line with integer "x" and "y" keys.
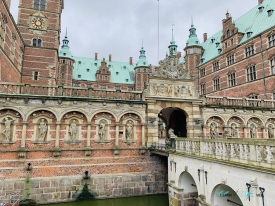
{"x": 88, "y": 144}
{"x": 264, "y": 132}
{"x": 117, "y": 133}
{"x": 57, "y": 134}
{"x": 245, "y": 131}
{"x": 24, "y": 132}
{"x": 202, "y": 180}
{"x": 143, "y": 133}
{"x": 152, "y": 118}
{"x": 204, "y": 131}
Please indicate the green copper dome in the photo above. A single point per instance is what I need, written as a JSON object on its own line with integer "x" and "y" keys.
{"x": 142, "y": 62}
{"x": 193, "y": 39}
{"x": 65, "y": 49}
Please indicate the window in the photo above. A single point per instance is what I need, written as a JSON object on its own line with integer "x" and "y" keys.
{"x": 88, "y": 85}
{"x": 232, "y": 79}
{"x": 225, "y": 44}
{"x": 228, "y": 33}
{"x": 34, "y": 42}
{"x": 191, "y": 51}
{"x": 272, "y": 65}
{"x": 127, "y": 80}
{"x": 251, "y": 73}
{"x": 230, "y": 59}
{"x": 203, "y": 89}
{"x": 216, "y": 66}
{"x": 79, "y": 62}
{"x": 273, "y": 96}
{"x": 217, "y": 45}
{"x": 117, "y": 87}
{"x": 103, "y": 71}
{"x": 130, "y": 89}
{"x": 216, "y": 84}
{"x": 271, "y": 40}
{"x": 40, "y": 4}
{"x": 269, "y": 12}
{"x": 39, "y": 42}
{"x": 124, "y": 67}
{"x": 95, "y": 64}
{"x": 116, "y": 73}
{"x": 249, "y": 34}
{"x": 76, "y": 84}
{"x": 261, "y": 8}
{"x": 253, "y": 96}
{"x": 35, "y": 76}
{"x": 63, "y": 61}
{"x": 102, "y": 86}
{"x": 202, "y": 72}
{"x": 202, "y": 60}
{"x": 79, "y": 76}
{"x": 62, "y": 75}
{"x": 219, "y": 51}
{"x": 212, "y": 40}
{"x": 106, "y": 78}
{"x": 88, "y": 69}
{"x": 249, "y": 51}
{"x": 100, "y": 77}
{"x": 232, "y": 42}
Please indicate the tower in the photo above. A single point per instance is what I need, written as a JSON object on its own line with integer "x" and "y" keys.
{"x": 172, "y": 47}
{"x": 193, "y": 53}
{"x": 39, "y": 24}
{"x": 64, "y": 75}
{"x": 141, "y": 71}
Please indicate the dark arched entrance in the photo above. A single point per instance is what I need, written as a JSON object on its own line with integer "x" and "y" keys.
{"x": 176, "y": 119}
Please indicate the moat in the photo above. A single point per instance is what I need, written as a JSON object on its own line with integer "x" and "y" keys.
{"x": 152, "y": 200}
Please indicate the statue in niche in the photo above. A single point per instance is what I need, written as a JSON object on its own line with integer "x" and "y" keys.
{"x": 7, "y": 130}
{"x": 213, "y": 131}
{"x": 253, "y": 131}
{"x": 270, "y": 131}
{"x": 169, "y": 89}
{"x": 73, "y": 130}
{"x": 42, "y": 130}
{"x": 102, "y": 130}
{"x": 177, "y": 90}
{"x": 129, "y": 130}
{"x": 234, "y": 130}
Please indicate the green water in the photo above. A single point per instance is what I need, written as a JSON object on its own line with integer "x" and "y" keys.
{"x": 153, "y": 200}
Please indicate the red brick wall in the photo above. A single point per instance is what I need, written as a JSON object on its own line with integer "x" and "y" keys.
{"x": 141, "y": 77}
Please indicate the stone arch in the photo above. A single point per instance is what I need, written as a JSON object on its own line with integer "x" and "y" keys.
{"x": 255, "y": 127}
{"x": 74, "y": 110}
{"x": 189, "y": 186}
{"x": 9, "y": 119}
{"x": 224, "y": 195}
{"x": 235, "y": 127}
{"x": 40, "y": 109}
{"x": 215, "y": 127}
{"x": 103, "y": 111}
{"x": 134, "y": 112}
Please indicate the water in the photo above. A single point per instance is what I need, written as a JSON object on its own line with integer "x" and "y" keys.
{"x": 153, "y": 200}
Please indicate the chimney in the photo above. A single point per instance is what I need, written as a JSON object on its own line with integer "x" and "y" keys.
{"x": 131, "y": 61}
{"x": 260, "y": 1}
{"x": 110, "y": 57}
{"x": 95, "y": 56}
{"x": 204, "y": 37}
{"x": 178, "y": 55}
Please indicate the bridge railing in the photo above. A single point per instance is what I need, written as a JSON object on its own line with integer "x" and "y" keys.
{"x": 65, "y": 91}
{"x": 161, "y": 146}
{"x": 238, "y": 102}
{"x": 254, "y": 152}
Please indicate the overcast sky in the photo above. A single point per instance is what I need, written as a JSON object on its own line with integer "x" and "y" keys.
{"x": 117, "y": 27}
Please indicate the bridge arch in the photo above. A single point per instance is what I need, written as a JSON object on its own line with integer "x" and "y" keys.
{"x": 189, "y": 186}
{"x": 224, "y": 195}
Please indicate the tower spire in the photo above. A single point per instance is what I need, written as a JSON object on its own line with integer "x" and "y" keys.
{"x": 192, "y": 23}
{"x": 173, "y": 47}
{"x": 66, "y": 33}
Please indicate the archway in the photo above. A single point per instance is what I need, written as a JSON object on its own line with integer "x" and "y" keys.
{"x": 174, "y": 118}
{"x": 190, "y": 191}
{"x": 223, "y": 195}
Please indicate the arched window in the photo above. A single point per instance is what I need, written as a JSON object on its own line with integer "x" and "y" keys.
{"x": 39, "y": 42}
{"x": 228, "y": 33}
{"x": 103, "y": 71}
{"x": 34, "y": 42}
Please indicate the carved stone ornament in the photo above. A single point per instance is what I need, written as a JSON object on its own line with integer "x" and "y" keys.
{"x": 4, "y": 18}
{"x": 38, "y": 21}
{"x": 171, "y": 68}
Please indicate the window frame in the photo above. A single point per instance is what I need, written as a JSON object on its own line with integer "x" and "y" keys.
{"x": 272, "y": 65}
{"x": 202, "y": 72}
{"x": 216, "y": 66}
{"x": 251, "y": 73}
{"x": 231, "y": 77}
{"x": 216, "y": 84}
{"x": 230, "y": 59}
{"x": 271, "y": 40}
{"x": 249, "y": 50}
{"x": 35, "y": 75}
{"x": 203, "y": 88}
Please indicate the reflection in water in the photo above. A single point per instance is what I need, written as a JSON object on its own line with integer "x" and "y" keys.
{"x": 154, "y": 200}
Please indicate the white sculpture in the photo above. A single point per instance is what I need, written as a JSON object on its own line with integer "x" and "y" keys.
{"x": 101, "y": 130}
{"x": 7, "y": 130}
{"x": 73, "y": 130}
{"x": 42, "y": 130}
{"x": 129, "y": 130}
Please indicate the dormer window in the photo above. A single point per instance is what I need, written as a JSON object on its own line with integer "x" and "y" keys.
{"x": 79, "y": 76}
{"x": 212, "y": 40}
{"x": 196, "y": 43}
{"x": 116, "y": 73}
{"x": 124, "y": 67}
{"x": 202, "y": 60}
{"x": 249, "y": 34}
{"x": 109, "y": 65}
{"x": 127, "y": 80}
{"x": 144, "y": 63}
{"x": 88, "y": 69}
{"x": 261, "y": 8}
{"x": 64, "y": 54}
{"x": 219, "y": 51}
{"x": 79, "y": 62}
{"x": 103, "y": 71}
{"x": 95, "y": 64}
{"x": 217, "y": 44}
{"x": 270, "y": 12}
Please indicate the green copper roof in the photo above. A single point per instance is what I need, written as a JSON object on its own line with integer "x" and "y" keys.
{"x": 142, "y": 62}
{"x": 85, "y": 69}
{"x": 172, "y": 47}
{"x": 65, "y": 49}
{"x": 253, "y": 21}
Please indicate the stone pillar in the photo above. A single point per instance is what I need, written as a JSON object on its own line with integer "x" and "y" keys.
{"x": 204, "y": 132}
{"x": 57, "y": 134}
{"x": 152, "y": 119}
{"x": 202, "y": 180}
{"x": 117, "y": 133}
{"x": 24, "y": 132}
{"x": 254, "y": 192}
{"x": 264, "y": 132}
{"x": 88, "y": 144}
{"x": 245, "y": 132}
{"x": 143, "y": 133}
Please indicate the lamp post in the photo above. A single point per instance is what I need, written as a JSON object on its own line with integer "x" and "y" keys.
{"x": 262, "y": 193}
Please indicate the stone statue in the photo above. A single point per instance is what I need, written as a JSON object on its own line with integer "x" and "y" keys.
{"x": 42, "y": 130}
{"x": 270, "y": 131}
{"x": 129, "y": 130}
{"x": 234, "y": 130}
{"x": 73, "y": 130}
{"x": 177, "y": 90}
{"x": 213, "y": 131}
{"x": 171, "y": 133}
{"x": 7, "y": 130}
{"x": 253, "y": 131}
{"x": 101, "y": 130}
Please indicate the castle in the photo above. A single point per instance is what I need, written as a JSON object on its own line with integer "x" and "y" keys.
{"x": 63, "y": 116}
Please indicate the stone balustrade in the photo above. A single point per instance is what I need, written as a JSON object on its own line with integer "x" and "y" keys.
{"x": 65, "y": 91}
{"x": 238, "y": 102}
{"x": 255, "y": 153}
